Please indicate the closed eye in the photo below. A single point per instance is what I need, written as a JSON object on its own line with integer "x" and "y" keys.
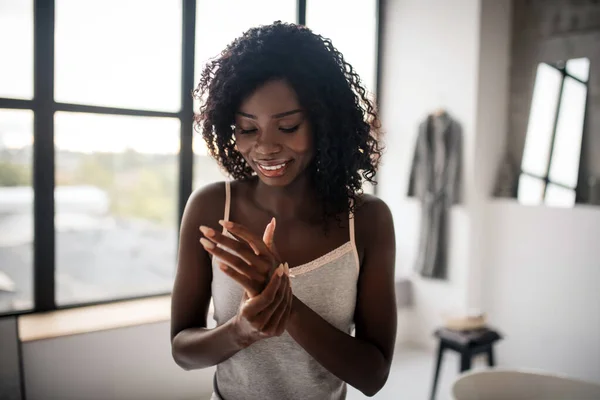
{"x": 247, "y": 131}
{"x": 289, "y": 130}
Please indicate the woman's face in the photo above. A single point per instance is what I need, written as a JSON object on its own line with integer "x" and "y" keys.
{"x": 273, "y": 134}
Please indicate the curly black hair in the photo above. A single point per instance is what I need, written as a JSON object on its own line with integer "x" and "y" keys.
{"x": 343, "y": 119}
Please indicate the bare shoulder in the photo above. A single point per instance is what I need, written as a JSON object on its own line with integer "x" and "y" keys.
{"x": 371, "y": 213}
{"x": 374, "y": 225}
{"x": 206, "y": 205}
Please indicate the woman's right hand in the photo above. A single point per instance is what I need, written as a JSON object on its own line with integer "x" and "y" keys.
{"x": 249, "y": 260}
{"x": 265, "y": 315}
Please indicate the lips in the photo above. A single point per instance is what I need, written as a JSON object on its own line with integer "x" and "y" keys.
{"x": 273, "y": 168}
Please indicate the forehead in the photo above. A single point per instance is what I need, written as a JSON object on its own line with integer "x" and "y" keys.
{"x": 273, "y": 97}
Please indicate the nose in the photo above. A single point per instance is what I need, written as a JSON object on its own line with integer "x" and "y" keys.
{"x": 267, "y": 143}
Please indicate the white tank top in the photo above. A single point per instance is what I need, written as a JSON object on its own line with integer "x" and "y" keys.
{"x": 279, "y": 368}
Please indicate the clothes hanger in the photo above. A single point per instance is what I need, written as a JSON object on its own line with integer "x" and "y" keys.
{"x": 439, "y": 112}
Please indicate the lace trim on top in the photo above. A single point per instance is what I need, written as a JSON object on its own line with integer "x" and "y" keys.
{"x": 324, "y": 259}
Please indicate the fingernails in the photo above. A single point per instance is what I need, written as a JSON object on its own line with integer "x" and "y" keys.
{"x": 226, "y": 224}
{"x": 273, "y": 221}
{"x": 223, "y": 267}
{"x": 207, "y": 243}
{"x": 207, "y": 231}
{"x": 280, "y": 270}
{"x": 287, "y": 271}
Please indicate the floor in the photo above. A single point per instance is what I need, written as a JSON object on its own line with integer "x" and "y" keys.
{"x": 412, "y": 376}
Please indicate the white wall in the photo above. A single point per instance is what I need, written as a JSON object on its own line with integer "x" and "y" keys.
{"x": 492, "y": 117}
{"x": 542, "y": 287}
{"x": 436, "y": 54}
{"x": 122, "y": 364}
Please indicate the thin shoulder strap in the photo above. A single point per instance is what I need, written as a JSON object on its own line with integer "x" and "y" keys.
{"x": 227, "y": 203}
{"x": 352, "y": 238}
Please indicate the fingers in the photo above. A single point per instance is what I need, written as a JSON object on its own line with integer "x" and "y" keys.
{"x": 269, "y": 234}
{"x": 269, "y": 238}
{"x": 239, "y": 248}
{"x": 248, "y": 284}
{"x": 265, "y": 316}
{"x": 278, "y": 320}
{"x": 243, "y": 233}
{"x": 236, "y": 247}
{"x": 233, "y": 261}
{"x": 286, "y": 316}
{"x": 259, "y": 303}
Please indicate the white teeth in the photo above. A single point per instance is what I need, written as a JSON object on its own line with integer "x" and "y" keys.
{"x": 272, "y": 167}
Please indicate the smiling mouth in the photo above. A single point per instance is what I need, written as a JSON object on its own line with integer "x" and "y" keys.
{"x": 272, "y": 170}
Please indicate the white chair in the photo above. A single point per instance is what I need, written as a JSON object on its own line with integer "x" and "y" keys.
{"x": 521, "y": 385}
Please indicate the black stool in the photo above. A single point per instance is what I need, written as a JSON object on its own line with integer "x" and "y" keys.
{"x": 468, "y": 344}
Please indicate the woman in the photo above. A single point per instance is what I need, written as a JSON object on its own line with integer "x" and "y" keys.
{"x": 293, "y": 255}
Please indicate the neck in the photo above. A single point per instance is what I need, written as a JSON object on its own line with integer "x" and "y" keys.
{"x": 297, "y": 199}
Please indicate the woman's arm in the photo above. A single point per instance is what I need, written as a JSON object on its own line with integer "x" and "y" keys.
{"x": 193, "y": 345}
{"x": 362, "y": 361}
{"x": 264, "y": 315}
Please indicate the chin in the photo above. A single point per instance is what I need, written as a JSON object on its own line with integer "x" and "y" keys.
{"x": 280, "y": 181}
{"x": 275, "y": 183}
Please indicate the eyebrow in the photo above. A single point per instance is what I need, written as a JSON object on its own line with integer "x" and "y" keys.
{"x": 280, "y": 115}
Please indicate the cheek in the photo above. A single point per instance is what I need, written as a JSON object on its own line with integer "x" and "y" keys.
{"x": 244, "y": 143}
{"x": 302, "y": 143}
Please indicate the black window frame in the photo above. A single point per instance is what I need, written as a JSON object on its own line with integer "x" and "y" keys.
{"x": 562, "y": 68}
{"x": 44, "y": 107}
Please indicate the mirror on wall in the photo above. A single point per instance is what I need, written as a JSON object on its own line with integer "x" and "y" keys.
{"x": 552, "y": 172}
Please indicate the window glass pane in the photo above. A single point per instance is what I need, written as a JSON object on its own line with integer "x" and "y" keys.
{"x": 16, "y": 210}
{"x": 564, "y": 167}
{"x": 217, "y": 25}
{"x": 116, "y": 205}
{"x": 557, "y": 196}
{"x": 531, "y": 190}
{"x": 119, "y": 53}
{"x": 206, "y": 169}
{"x": 353, "y": 31}
{"x": 16, "y": 48}
{"x": 541, "y": 120}
{"x": 579, "y": 68}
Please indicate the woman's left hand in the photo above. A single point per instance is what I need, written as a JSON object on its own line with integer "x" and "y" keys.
{"x": 249, "y": 261}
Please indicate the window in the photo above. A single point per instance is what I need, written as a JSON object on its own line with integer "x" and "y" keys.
{"x": 116, "y": 193}
{"x": 16, "y": 47}
{"x": 136, "y": 63}
{"x": 16, "y": 155}
{"x": 352, "y": 28}
{"x": 217, "y": 25}
{"x": 116, "y": 205}
{"x": 16, "y": 209}
{"x": 550, "y": 165}
{"x": 111, "y": 134}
